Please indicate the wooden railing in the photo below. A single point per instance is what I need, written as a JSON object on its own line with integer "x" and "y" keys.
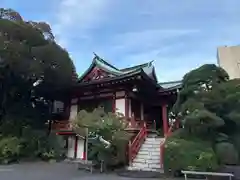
{"x": 138, "y": 124}
{"x": 135, "y": 145}
{"x": 170, "y": 130}
{"x": 151, "y": 125}
{"x": 61, "y": 125}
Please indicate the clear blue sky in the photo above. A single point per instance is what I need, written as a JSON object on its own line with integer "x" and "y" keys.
{"x": 178, "y": 34}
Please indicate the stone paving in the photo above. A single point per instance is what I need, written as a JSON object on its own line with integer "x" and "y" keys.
{"x": 52, "y": 171}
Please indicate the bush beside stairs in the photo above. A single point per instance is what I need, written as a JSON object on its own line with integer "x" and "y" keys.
{"x": 148, "y": 157}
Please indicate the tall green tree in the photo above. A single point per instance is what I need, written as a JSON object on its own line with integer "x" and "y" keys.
{"x": 191, "y": 103}
{"x": 209, "y": 107}
{"x": 32, "y": 66}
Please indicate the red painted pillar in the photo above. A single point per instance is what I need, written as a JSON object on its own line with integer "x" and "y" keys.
{"x": 165, "y": 118}
{"x": 165, "y": 131}
{"x": 76, "y": 147}
{"x": 126, "y": 107}
{"x": 84, "y": 155}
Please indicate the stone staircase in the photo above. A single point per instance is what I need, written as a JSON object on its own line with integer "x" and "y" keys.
{"x": 148, "y": 157}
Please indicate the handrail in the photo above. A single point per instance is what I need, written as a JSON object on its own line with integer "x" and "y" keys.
{"x": 61, "y": 125}
{"x": 165, "y": 137}
{"x": 137, "y": 142}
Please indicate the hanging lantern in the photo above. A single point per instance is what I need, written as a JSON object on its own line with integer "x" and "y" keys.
{"x": 135, "y": 89}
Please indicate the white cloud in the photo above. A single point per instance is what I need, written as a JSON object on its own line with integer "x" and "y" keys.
{"x": 171, "y": 69}
{"x": 149, "y": 55}
{"x": 147, "y": 38}
{"x": 176, "y": 36}
{"x": 75, "y": 17}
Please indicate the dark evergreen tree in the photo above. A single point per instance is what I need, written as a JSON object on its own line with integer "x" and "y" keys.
{"x": 32, "y": 67}
{"x": 209, "y": 108}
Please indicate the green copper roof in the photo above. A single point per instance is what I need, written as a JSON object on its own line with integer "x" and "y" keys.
{"x": 106, "y": 66}
{"x": 147, "y": 68}
{"x": 137, "y": 67}
{"x": 171, "y": 84}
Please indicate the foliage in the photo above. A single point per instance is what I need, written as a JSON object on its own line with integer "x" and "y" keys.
{"x": 38, "y": 144}
{"x": 236, "y": 141}
{"x": 209, "y": 101}
{"x": 227, "y": 153}
{"x": 30, "y": 62}
{"x": 209, "y": 107}
{"x": 109, "y": 126}
{"x": 10, "y": 148}
{"x": 33, "y": 67}
{"x": 53, "y": 149}
{"x": 182, "y": 154}
{"x": 33, "y": 142}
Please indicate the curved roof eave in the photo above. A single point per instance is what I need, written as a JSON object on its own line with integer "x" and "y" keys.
{"x": 171, "y": 85}
{"x": 101, "y": 65}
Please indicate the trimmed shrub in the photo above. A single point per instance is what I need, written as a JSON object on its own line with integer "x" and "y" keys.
{"x": 34, "y": 141}
{"x": 182, "y": 154}
{"x": 226, "y": 153}
{"x": 236, "y": 141}
{"x": 53, "y": 148}
{"x": 10, "y": 148}
{"x": 110, "y": 127}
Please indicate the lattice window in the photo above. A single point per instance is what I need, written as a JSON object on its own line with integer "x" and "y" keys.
{"x": 58, "y": 107}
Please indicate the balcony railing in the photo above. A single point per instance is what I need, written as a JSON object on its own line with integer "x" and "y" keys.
{"x": 61, "y": 125}
{"x": 133, "y": 124}
{"x": 138, "y": 124}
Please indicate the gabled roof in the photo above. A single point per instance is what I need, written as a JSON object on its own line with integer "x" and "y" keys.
{"x": 147, "y": 68}
{"x": 170, "y": 85}
{"x": 112, "y": 73}
{"x": 136, "y": 67}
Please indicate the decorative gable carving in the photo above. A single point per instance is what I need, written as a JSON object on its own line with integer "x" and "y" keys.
{"x": 96, "y": 74}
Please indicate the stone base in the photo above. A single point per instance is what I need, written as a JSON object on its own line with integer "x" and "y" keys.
{"x": 132, "y": 168}
{"x": 141, "y": 174}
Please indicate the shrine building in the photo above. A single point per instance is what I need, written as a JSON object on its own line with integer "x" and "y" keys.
{"x": 134, "y": 92}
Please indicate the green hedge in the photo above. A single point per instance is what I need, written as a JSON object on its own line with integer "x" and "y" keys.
{"x": 226, "y": 152}
{"x": 10, "y": 148}
{"x": 35, "y": 145}
{"x": 182, "y": 154}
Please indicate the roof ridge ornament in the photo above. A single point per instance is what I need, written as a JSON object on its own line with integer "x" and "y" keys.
{"x": 150, "y": 63}
{"x": 96, "y": 56}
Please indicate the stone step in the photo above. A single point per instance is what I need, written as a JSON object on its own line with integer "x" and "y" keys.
{"x": 131, "y": 168}
{"x": 148, "y": 157}
{"x": 139, "y": 160}
{"x": 154, "y": 158}
{"x": 142, "y": 151}
{"x": 149, "y": 161}
{"x": 140, "y": 165}
{"x": 145, "y": 165}
{"x": 151, "y": 146}
{"x": 154, "y": 153}
{"x": 152, "y": 141}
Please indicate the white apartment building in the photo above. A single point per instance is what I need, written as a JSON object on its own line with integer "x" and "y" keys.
{"x": 229, "y": 59}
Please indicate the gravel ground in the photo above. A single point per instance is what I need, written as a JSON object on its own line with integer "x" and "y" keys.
{"x": 54, "y": 171}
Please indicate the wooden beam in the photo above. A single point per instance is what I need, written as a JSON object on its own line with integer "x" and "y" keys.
{"x": 165, "y": 118}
